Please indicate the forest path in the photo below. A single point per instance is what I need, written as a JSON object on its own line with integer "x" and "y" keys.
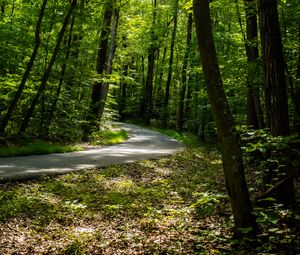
{"x": 141, "y": 144}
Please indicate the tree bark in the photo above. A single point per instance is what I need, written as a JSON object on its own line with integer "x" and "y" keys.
{"x": 29, "y": 66}
{"x": 61, "y": 79}
{"x": 47, "y": 72}
{"x": 109, "y": 65}
{"x": 100, "y": 66}
{"x": 184, "y": 74}
{"x": 274, "y": 69}
{"x": 151, "y": 62}
{"x": 231, "y": 153}
{"x": 123, "y": 93}
{"x": 170, "y": 69}
{"x": 254, "y": 111}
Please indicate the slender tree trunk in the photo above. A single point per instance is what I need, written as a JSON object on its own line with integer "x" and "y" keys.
{"x": 123, "y": 93}
{"x": 170, "y": 69}
{"x": 29, "y": 66}
{"x": 274, "y": 68}
{"x": 47, "y": 72}
{"x": 101, "y": 65}
{"x": 159, "y": 93}
{"x": 231, "y": 154}
{"x": 143, "y": 89}
{"x": 109, "y": 65}
{"x": 151, "y": 62}
{"x": 61, "y": 79}
{"x": 184, "y": 74}
{"x": 254, "y": 111}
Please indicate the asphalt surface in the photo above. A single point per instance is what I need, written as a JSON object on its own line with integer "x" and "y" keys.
{"x": 141, "y": 144}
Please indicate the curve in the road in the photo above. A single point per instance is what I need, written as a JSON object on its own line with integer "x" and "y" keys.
{"x": 141, "y": 144}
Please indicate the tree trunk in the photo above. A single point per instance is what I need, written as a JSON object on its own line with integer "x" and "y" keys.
{"x": 151, "y": 62}
{"x": 61, "y": 79}
{"x": 47, "y": 72}
{"x": 184, "y": 74}
{"x": 254, "y": 111}
{"x": 143, "y": 90}
{"x": 231, "y": 154}
{"x": 109, "y": 65}
{"x": 123, "y": 93}
{"x": 170, "y": 69}
{"x": 29, "y": 66}
{"x": 274, "y": 69}
{"x": 100, "y": 66}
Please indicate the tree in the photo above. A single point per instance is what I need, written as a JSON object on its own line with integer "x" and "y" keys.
{"x": 231, "y": 152}
{"x": 184, "y": 73}
{"x": 47, "y": 72}
{"x": 110, "y": 58}
{"x": 274, "y": 69}
{"x": 101, "y": 65}
{"x": 170, "y": 69}
{"x": 151, "y": 62}
{"x": 254, "y": 111}
{"x": 30, "y": 63}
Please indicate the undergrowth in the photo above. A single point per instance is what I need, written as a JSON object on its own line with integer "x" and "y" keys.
{"x": 38, "y": 147}
{"x": 174, "y": 205}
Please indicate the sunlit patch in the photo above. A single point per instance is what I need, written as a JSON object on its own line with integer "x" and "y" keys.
{"x": 84, "y": 230}
{"x": 216, "y": 162}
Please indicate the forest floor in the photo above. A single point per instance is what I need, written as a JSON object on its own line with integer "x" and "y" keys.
{"x": 141, "y": 144}
{"x": 147, "y": 207}
{"x": 172, "y": 205}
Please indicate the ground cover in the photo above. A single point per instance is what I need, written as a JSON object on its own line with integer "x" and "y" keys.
{"x": 39, "y": 147}
{"x": 172, "y": 205}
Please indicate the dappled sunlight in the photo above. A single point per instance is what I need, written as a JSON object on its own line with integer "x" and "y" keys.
{"x": 135, "y": 208}
{"x": 141, "y": 144}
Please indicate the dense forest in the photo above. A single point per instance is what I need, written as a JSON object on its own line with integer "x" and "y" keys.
{"x": 226, "y": 72}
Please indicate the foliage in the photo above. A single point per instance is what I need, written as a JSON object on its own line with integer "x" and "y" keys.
{"x": 107, "y": 137}
{"x": 37, "y": 148}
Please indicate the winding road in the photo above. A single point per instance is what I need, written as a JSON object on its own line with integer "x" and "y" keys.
{"x": 141, "y": 144}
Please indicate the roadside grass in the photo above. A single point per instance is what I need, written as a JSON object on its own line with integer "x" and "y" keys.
{"x": 37, "y": 148}
{"x": 190, "y": 140}
{"x": 108, "y": 137}
{"x": 174, "y": 205}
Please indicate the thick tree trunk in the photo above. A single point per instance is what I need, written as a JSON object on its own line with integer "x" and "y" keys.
{"x": 274, "y": 69}
{"x": 170, "y": 69}
{"x": 254, "y": 111}
{"x": 101, "y": 65}
{"x": 29, "y": 66}
{"x": 109, "y": 64}
{"x": 231, "y": 154}
{"x": 184, "y": 74}
{"x": 47, "y": 72}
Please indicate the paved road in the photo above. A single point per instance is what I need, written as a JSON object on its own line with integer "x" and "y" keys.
{"x": 141, "y": 144}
